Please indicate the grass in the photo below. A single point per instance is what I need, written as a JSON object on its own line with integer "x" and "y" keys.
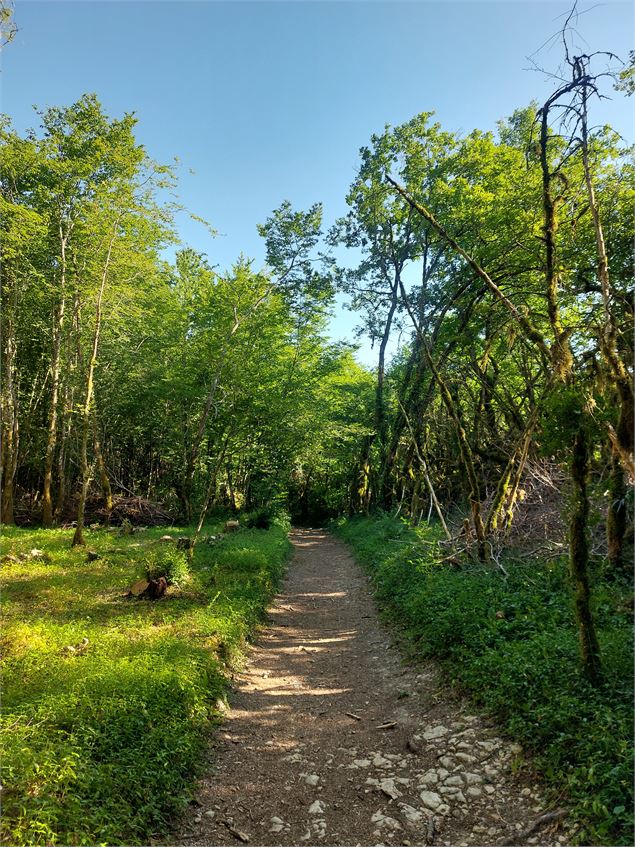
{"x": 106, "y": 699}
{"x": 511, "y": 644}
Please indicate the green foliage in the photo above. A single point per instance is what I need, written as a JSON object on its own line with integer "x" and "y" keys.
{"x": 171, "y": 564}
{"x": 261, "y": 518}
{"x": 106, "y": 701}
{"x": 512, "y": 645}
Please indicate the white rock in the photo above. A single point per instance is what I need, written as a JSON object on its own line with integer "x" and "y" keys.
{"x": 210, "y": 813}
{"x": 276, "y": 825}
{"x": 292, "y": 757}
{"x": 472, "y": 778}
{"x": 435, "y": 732}
{"x": 310, "y": 778}
{"x": 361, "y": 763}
{"x": 443, "y": 773}
{"x": 411, "y": 814}
{"x": 430, "y": 799}
{"x": 385, "y": 821}
{"x": 515, "y": 749}
{"x": 457, "y": 779}
{"x": 317, "y": 808}
{"x": 489, "y": 789}
{"x": 473, "y": 791}
{"x": 447, "y": 762}
{"x": 526, "y": 792}
{"x": 389, "y": 788}
{"x": 380, "y": 762}
{"x": 465, "y": 757}
{"x": 488, "y": 746}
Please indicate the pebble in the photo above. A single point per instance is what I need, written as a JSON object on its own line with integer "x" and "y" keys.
{"x": 430, "y": 799}
{"x": 435, "y": 732}
{"x": 361, "y": 763}
{"x": 277, "y": 824}
{"x": 317, "y": 808}
{"x": 526, "y": 792}
{"x": 389, "y": 788}
{"x": 411, "y": 814}
{"x": 454, "y": 780}
{"x": 430, "y": 776}
{"x": 447, "y": 761}
{"x": 473, "y": 791}
{"x": 385, "y": 821}
{"x": 310, "y": 778}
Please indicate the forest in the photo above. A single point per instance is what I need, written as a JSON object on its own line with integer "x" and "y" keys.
{"x": 482, "y": 475}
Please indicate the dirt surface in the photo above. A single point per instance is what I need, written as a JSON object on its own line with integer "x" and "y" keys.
{"x": 332, "y": 739}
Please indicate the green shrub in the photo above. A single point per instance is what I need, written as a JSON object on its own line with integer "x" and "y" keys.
{"x": 512, "y": 644}
{"x": 171, "y": 564}
{"x": 261, "y": 518}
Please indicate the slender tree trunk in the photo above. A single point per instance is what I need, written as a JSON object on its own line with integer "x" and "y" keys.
{"x": 616, "y": 518}
{"x": 106, "y": 488}
{"x": 78, "y": 538}
{"x": 58, "y": 327}
{"x": 561, "y": 357}
{"x": 10, "y": 422}
{"x": 381, "y": 423}
{"x": 579, "y": 560}
{"x": 468, "y": 461}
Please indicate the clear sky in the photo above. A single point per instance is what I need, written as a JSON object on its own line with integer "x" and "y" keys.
{"x": 266, "y": 101}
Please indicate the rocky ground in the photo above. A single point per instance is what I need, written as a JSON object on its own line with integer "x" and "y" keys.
{"x": 331, "y": 739}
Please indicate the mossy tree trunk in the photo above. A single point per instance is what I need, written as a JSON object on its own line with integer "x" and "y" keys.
{"x": 579, "y": 559}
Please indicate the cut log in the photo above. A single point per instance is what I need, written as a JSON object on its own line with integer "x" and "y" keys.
{"x": 139, "y": 587}
{"x": 231, "y": 526}
{"x": 150, "y": 589}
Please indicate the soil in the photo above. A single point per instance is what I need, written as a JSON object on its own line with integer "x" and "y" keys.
{"x": 333, "y": 739}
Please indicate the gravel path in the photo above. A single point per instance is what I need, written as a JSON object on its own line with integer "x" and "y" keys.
{"x": 331, "y": 739}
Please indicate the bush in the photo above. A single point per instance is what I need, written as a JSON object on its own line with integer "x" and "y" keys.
{"x": 261, "y": 518}
{"x": 171, "y": 564}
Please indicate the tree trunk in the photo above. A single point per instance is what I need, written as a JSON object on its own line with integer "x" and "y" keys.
{"x": 579, "y": 560}
{"x": 78, "y": 538}
{"x": 106, "y": 489}
{"x": 468, "y": 461}
{"x": 58, "y": 326}
{"x": 561, "y": 356}
{"x": 10, "y": 423}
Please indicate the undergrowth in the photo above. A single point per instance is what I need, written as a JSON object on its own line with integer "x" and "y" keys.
{"x": 106, "y": 699}
{"x": 511, "y": 643}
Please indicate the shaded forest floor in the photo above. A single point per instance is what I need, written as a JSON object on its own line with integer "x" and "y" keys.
{"x": 333, "y": 738}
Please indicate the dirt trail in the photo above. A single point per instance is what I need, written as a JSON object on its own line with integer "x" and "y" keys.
{"x": 331, "y": 739}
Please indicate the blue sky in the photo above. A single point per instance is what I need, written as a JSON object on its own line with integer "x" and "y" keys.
{"x": 270, "y": 101}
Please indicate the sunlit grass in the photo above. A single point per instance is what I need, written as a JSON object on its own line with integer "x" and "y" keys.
{"x": 105, "y": 698}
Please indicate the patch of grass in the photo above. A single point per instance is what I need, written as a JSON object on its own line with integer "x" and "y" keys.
{"x": 512, "y": 645}
{"x": 106, "y": 699}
